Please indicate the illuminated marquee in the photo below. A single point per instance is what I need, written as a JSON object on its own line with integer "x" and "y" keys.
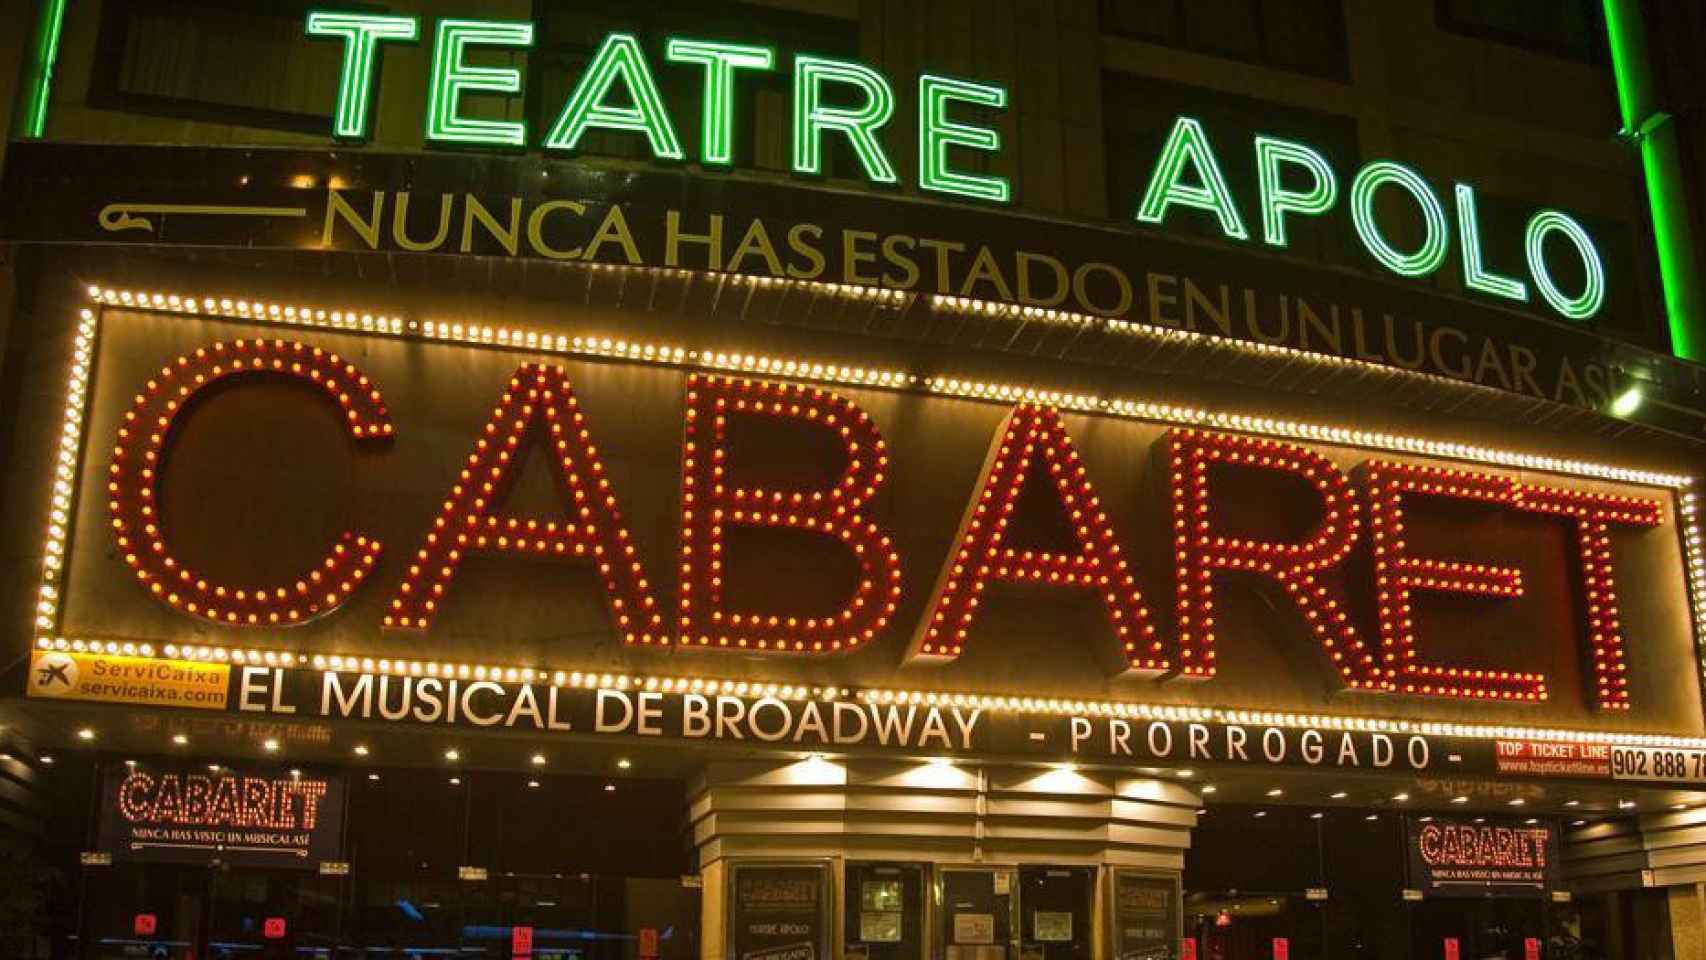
{"x": 619, "y": 91}
{"x": 1032, "y": 454}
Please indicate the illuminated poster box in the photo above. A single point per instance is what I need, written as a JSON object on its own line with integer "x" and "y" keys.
{"x": 235, "y": 815}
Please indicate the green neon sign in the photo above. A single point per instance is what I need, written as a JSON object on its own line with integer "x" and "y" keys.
{"x": 1277, "y": 200}
{"x": 1188, "y": 144}
{"x": 618, "y": 58}
{"x": 1592, "y": 297}
{"x": 717, "y": 114}
{"x": 1426, "y": 258}
{"x": 452, "y": 77}
{"x": 1476, "y": 276}
{"x": 853, "y": 103}
{"x": 362, "y": 34}
{"x": 812, "y": 118}
{"x": 936, "y": 133}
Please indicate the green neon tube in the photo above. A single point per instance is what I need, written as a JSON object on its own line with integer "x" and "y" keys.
{"x": 36, "y": 87}
{"x": 1662, "y": 168}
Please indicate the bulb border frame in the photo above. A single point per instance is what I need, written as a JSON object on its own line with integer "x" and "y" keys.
{"x": 67, "y": 473}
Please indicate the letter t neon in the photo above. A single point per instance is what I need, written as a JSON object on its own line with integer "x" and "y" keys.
{"x": 361, "y": 33}
{"x": 720, "y": 60}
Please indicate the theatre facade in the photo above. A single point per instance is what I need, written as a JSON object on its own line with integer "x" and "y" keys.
{"x": 481, "y": 546}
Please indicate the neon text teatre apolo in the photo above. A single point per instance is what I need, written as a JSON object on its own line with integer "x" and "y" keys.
{"x": 844, "y": 99}
{"x": 538, "y": 408}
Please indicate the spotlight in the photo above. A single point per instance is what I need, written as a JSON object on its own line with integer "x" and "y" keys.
{"x": 1626, "y": 403}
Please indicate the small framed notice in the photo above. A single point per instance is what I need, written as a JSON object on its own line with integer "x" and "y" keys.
{"x": 1053, "y": 926}
{"x": 974, "y": 928}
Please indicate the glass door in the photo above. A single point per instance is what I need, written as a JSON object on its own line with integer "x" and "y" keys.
{"x": 884, "y": 906}
{"x": 974, "y": 913}
{"x": 158, "y": 912}
{"x": 1054, "y": 904}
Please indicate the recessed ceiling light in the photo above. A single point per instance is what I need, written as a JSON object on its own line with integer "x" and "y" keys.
{"x": 180, "y": 739}
{"x": 1459, "y": 799}
{"x": 452, "y": 755}
{"x": 624, "y": 763}
{"x": 1339, "y": 795}
{"x": 270, "y": 745}
{"x": 85, "y": 734}
{"x": 1400, "y": 798}
{"x": 1201, "y": 812}
{"x": 46, "y": 759}
{"x": 1516, "y": 802}
{"x": 1578, "y": 823}
{"x": 1187, "y": 774}
{"x": 1372, "y": 816}
{"x": 373, "y": 776}
{"x": 1210, "y": 788}
{"x": 1424, "y": 819}
{"x": 1572, "y": 803}
{"x": 1260, "y": 814}
{"x": 295, "y": 773}
{"x": 1276, "y": 792}
{"x": 361, "y": 750}
{"x": 456, "y": 781}
{"x": 1625, "y": 804}
{"x": 610, "y": 788}
{"x": 539, "y": 759}
{"x": 533, "y": 784}
{"x": 130, "y": 763}
{"x": 213, "y": 768}
{"x": 1532, "y": 820}
{"x": 1316, "y": 816}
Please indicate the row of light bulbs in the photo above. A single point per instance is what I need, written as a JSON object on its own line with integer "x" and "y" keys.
{"x": 856, "y": 375}
{"x": 799, "y": 692}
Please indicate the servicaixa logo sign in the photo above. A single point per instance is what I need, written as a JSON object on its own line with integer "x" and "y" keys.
{"x": 619, "y": 92}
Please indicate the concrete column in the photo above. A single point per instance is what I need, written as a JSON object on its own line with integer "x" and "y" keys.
{"x": 713, "y": 901}
{"x": 1687, "y": 908}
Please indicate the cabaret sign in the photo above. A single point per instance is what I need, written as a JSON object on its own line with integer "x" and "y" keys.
{"x": 225, "y": 814}
{"x": 1453, "y": 858}
{"x": 1210, "y": 479}
{"x": 852, "y": 103}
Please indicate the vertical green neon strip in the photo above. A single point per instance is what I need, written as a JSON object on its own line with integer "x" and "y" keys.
{"x": 50, "y": 21}
{"x": 1662, "y": 167}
